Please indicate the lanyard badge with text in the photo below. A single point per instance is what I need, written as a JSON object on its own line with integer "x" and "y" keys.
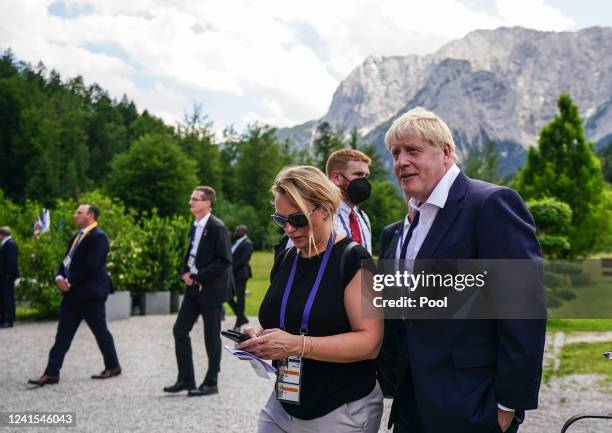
{"x": 289, "y": 378}
{"x": 75, "y": 243}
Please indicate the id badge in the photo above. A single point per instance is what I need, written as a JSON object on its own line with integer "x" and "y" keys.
{"x": 191, "y": 261}
{"x": 289, "y": 379}
{"x": 66, "y": 262}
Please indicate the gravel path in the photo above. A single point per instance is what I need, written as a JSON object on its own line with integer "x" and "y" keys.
{"x": 134, "y": 401}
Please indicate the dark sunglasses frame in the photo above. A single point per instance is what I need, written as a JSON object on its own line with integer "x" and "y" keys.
{"x": 297, "y": 220}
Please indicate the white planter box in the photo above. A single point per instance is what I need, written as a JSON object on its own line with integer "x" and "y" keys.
{"x": 155, "y": 303}
{"x": 118, "y": 306}
{"x": 176, "y": 301}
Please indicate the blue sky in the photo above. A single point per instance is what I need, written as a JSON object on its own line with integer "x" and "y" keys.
{"x": 273, "y": 61}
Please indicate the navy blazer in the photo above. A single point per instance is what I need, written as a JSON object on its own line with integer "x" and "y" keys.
{"x": 459, "y": 370}
{"x": 240, "y": 260}
{"x": 9, "y": 261}
{"x": 214, "y": 263}
{"x": 88, "y": 276}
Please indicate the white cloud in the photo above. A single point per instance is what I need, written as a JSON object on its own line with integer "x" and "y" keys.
{"x": 254, "y": 51}
{"x": 534, "y": 14}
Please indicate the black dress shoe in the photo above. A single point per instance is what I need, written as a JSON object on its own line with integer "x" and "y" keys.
{"x": 6, "y": 325}
{"x": 239, "y": 322}
{"x": 180, "y": 386}
{"x": 45, "y": 379}
{"x": 107, "y": 373}
{"x": 203, "y": 390}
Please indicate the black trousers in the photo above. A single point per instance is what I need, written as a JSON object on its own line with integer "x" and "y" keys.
{"x": 192, "y": 307}
{"x": 72, "y": 312}
{"x": 238, "y": 304}
{"x": 7, "y": 300}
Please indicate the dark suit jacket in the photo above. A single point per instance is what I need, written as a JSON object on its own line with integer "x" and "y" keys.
{"x": 459, "y": 370}
{"x": 214, "y": 263}
{"x": 281, "y": 245}
{"x": 240, "y": 260}
{"x": 395, "y": 331}
{"x": 88, "y": 276}
{"x": 9, "y": 262}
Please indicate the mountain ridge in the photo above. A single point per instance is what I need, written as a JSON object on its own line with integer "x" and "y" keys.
{"x": 500, "y": 85}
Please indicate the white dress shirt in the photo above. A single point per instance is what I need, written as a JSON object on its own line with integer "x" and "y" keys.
{"x": 4, "y": 240}
{"x": 199, "y": 229}
{"x": 237, "y": 242}
{"x": 342, "y": 224}
{"x": 427, "y": 214}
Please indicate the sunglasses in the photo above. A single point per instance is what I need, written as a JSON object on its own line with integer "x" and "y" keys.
{"x": 297, "y": 220}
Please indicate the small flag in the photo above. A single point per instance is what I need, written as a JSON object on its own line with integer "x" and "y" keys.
{"x": 45, "y": 221}
{"x": 42, "y": 224}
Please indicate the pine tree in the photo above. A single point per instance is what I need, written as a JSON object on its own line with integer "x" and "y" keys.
{"x": 325, "y": 143}
{"x": 197, "y": 140}
{"x": 564, "y": 167}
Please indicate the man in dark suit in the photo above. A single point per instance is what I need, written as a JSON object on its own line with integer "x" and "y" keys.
{"x": 85, "y": 284}
{"x": 207, "y": 274}
{"x": 460, "y": 376}
{"x": 9, "y": 272}
{"x": 242, "y": 249}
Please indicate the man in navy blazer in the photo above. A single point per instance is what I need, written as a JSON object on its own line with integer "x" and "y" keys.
{"x": 459, "y": 376}
{"x": 207, "y": 274}
{"x": 85, "y": 284}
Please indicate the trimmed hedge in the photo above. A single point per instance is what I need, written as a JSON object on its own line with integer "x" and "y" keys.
{"x": 145, "y": 253}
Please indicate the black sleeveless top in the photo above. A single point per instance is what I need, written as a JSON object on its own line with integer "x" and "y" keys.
{"x": 325, "y": 385}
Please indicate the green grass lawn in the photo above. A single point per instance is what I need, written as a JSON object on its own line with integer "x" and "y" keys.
{"x": 586, "y": 358}
{"x": 261, "y": 264}
{"x": 579, "y": 325}
{"x": 593, "y": 299}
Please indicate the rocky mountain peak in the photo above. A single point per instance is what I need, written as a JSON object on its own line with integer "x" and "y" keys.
{"x": 499, "y": 85}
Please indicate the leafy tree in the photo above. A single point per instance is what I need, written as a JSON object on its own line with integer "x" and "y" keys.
{"x": 378, "y": 171}
{"x": 12, "y": 102}
{"x": 553, "y": 220}
{"x": 228, "y": 156}
{"x": 107, "y": 133}
{"x": 57, "y": 138}
{"x": 605, "y": 155}
{"x": 128, "y": 111}
{"x": 236, "y": 214}
{"x": 54, "y": 148}
{"x": 325, "y": 143}
{"x": 258, "y": 162}
{"x": 8, "y": 68}
{"x": 197, "y": 140}
{"x": 384, "y": 206}
{"x": 153, "y": 173}
{"x": 564, "y": 167}
{"x": 483, "y": 164}
{"x": 147, "y": 124}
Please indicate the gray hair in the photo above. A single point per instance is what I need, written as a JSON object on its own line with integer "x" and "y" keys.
{"x": 423, "y": 124}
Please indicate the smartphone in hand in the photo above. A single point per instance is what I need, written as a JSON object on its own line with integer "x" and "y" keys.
{"x": 236, "y": 336}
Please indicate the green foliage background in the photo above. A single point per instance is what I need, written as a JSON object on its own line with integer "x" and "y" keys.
{"x": 564, "y": 166}
{"x": 63, "y": 143}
